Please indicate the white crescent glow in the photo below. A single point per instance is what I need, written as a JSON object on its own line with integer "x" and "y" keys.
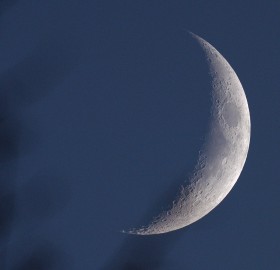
{"x": 222, "y": 155}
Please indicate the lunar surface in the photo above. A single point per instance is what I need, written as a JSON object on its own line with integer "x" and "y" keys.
{"x": 222, "y": 155}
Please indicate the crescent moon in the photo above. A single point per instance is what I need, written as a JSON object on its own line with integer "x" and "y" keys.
{"x": 222, "y": 155}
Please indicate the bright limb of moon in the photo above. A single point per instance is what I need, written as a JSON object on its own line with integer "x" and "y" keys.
{"x": 223, "y": 153}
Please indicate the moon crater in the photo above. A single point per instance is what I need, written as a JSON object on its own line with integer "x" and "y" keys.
{"x": 231, "y": 115}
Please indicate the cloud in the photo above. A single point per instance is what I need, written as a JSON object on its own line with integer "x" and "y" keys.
{"x": 37, "y": 74}
{"x": 44, "y": 195}
{"x": 147, "y": 252}
{"x": 142, "y": 252}
{"x": 28, "y": 81}
{"x": 44, "y": 257}
{"x": 6, "y": 4}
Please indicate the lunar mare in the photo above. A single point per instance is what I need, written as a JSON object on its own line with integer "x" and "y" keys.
{"x": 223, "y": 153}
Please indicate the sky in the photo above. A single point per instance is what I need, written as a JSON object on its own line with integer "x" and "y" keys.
{"x": 103, "y": 109}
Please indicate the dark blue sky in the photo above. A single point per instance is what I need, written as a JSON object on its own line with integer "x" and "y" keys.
{"x": 103, "y": 108}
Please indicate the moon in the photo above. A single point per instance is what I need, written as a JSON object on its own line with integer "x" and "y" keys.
{"x": 222, "y": 154}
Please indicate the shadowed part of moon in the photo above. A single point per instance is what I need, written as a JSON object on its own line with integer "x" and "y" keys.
{"x": 222, "y": 155}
